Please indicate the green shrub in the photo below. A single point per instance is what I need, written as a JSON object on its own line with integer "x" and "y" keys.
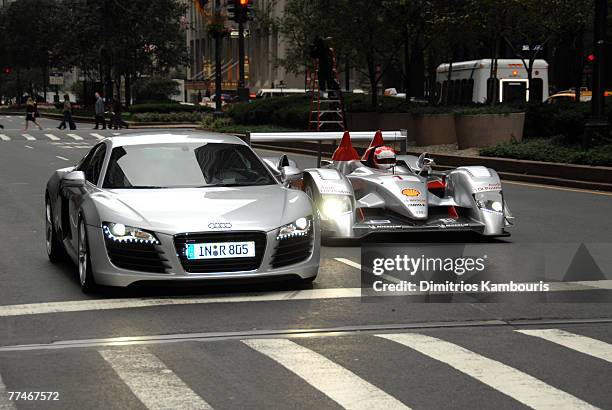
{"x": 168, "y": 117}
{"x": 168, "y": 108}
{"x": 552, "y": 150}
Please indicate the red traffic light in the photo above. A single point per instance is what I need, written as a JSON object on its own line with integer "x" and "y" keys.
{"x": 8, "y": 70}
{"x": 591, "y": 57}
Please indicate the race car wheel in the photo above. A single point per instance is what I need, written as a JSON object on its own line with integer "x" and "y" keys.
{"x": 55, "y": 249}
{"x": 86, "y": 275}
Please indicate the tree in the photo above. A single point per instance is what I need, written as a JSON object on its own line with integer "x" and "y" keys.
{"x": 535, "y": 23}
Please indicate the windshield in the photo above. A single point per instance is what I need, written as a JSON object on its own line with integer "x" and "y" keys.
{"x": 184, "y": 165}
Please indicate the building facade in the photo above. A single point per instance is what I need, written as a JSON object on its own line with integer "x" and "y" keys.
{"x": 263, "y": 48}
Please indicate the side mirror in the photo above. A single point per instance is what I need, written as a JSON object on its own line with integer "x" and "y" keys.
{"x": 424, "y": 162}
{"x": 74, "y": 179}
{"x": 290, "y": 174}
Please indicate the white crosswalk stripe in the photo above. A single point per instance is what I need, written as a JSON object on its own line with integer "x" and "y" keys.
{"x": 520, "y": 386}
{"x": 96, "y": 135}
{"x": 156, "y": 386}
{"x": 28, "y": 137}
{"x": 52, "y": 137}
{"x": 5, "y": 402}
{"x": 582, "y": 344}
{"x": 75, "y": 136}
{"x": 338, "y": 383}
{"x": 4, "y": 137}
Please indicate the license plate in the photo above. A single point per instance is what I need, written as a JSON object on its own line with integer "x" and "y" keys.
{"x": 220, "y": 250}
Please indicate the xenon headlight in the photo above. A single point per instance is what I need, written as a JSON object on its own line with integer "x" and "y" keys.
{"x": 299, "y": 227}
{"x": 121, "y": 233}
{"x": 334, "y": 206}
{"x": 489, "y": 201}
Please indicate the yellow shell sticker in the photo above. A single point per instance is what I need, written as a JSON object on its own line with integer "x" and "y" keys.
{"x": 411, "y": 192}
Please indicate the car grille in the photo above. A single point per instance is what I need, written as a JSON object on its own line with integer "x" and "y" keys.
{"x": 136, "y": 256}
{"x": 225, "y": 264}
{"x": 292, "y": 250}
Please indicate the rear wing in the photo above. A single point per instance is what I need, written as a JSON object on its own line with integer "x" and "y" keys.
{"x": 390, "y": 137}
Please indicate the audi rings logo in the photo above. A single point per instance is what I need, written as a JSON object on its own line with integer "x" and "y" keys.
{"x": 219, "y": 225}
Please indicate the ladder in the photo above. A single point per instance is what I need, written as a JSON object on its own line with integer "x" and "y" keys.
{"x": 329, "y": 113}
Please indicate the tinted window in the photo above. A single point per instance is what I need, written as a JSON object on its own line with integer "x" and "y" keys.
{"x": 92, "y": 163}
{"x": 185, "y": 165}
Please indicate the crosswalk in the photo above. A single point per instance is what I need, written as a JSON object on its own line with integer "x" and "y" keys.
{"x": 56, "y": 136}
{"x": 151, "y": 375}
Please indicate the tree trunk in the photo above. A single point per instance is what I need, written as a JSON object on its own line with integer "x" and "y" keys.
{"x": 417, "y": 70}
{"x": 406, "y": 64}
{"x": 128, "y": 90}
{"x": 530, "y": 77}
{"x": 579, "y": 43}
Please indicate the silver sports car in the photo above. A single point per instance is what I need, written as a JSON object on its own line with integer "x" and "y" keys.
{"x": 181, "y": 207}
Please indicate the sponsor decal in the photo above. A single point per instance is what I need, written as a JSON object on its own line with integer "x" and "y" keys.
{"x": 334, "y": 189}
{"x": 411, "y": 192}
{"x": 488, "y": 187}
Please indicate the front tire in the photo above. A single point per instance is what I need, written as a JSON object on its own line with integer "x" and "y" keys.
{"x": 55, "y": 249}
{"x": 86, "y": 275}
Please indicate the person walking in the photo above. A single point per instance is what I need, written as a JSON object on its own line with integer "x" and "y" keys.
{"x": 99, "y": 109}
{"x": 31, "y": 114}
{"x": 117, "y": 121}
{"x": 67, "y": 111}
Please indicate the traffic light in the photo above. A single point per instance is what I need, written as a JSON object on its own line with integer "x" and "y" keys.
{"x": 591, "y": 57}
{"x": 7, "y": 70}
{"x": 240, "y": 11}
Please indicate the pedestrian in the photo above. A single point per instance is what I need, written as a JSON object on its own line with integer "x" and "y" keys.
{"x": 117, "y": 120}
{"x": 99, "y": 109}
{"x": 67, "y": 111}
{"x": 31, "y": 114}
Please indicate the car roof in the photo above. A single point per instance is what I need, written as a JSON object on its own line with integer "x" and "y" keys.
{"x": 170, "y": 137}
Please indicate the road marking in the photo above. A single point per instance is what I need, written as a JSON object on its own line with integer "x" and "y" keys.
{"x": 356, "y": 265}
{"x": 4, "y": 137}
{"x": 107, "y": 304}
{"x": 62, "y": 158}
{"x": 74, "y": 136}
{"x": 308, "y": 294}
{"x": 339, "y": 384}
{"x": 98, "y": 136}
{"x": 5, "y": 402}
{"x": 558, "y": 188}
{"x": 512, "y": 382}
{"x": 28, "y": 146}
{"x": 52, "y": 137}
{"x": 582, "y": 344}
{"x": 156, "y": 386}
{"x": 28, "y": 137}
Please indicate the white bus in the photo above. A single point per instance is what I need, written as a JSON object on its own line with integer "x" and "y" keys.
{"x": 469, "y": 81}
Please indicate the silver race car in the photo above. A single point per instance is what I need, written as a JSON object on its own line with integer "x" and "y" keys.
{"x": 179, "y": 207}
{"x": 385, "y": 192}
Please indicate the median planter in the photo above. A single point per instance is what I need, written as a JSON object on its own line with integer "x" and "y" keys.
{"x": 485, "y": 130}
{"x": 434, "y": 129}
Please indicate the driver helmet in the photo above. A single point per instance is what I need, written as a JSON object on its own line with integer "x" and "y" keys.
{"x": 384, "y": 157}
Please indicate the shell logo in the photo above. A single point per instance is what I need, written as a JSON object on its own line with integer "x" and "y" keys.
{"x": 410, "y": 192}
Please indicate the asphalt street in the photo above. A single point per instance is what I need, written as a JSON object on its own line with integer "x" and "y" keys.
{"x": 275, "y": 346}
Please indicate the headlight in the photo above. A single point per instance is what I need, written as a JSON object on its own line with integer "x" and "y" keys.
{"x": 490, "y": 201}
{"x": 121, "y": 233}
{"x": 334, "y": 206}
{"x": 300, "y": 227}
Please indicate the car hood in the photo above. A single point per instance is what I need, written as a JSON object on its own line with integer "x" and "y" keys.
{"x": 173, "y": 211}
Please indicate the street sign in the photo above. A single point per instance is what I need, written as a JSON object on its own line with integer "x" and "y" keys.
{"x": 56, "y": 79}
{"x": 235, "y": 33}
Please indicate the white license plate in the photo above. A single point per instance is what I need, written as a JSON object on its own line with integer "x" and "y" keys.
{"x": 219, "y": 250}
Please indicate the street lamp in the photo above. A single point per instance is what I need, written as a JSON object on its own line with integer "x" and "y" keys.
{"x": 597, "y": 126}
